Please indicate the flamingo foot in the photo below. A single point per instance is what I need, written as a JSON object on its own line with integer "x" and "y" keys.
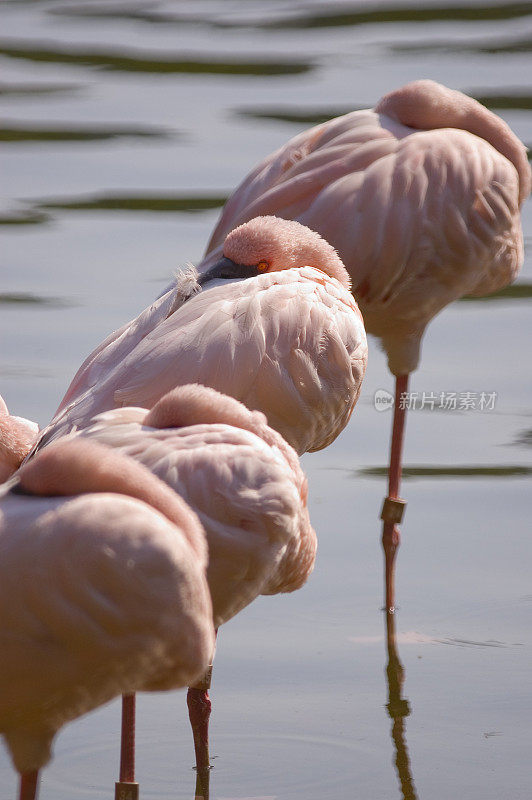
{"x": 29, "y": 782}
{"x": 199, "y": 712}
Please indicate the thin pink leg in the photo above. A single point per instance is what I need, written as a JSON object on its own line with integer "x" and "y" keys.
{"x": 393, "y": 508}
{"x": 127, "y": 788}
{"x": 29, "y": 784}
{"x": 199, "y": 712}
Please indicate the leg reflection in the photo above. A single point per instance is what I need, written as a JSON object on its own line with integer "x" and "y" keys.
{"x": 398, "y": 708}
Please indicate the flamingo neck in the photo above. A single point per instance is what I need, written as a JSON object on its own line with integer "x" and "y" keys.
{"x": 79, "y": 466}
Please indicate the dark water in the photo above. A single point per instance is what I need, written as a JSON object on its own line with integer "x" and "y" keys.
{"x": 124, "y": 127}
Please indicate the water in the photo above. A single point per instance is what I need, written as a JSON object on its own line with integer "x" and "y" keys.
{"x": 125, "y": 125}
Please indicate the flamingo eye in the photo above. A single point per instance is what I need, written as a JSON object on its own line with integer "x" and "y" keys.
{"x": 262, "y": 266}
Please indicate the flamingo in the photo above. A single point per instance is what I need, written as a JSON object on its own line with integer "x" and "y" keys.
{"x": 420, "y": 196}
{"x": 102, "y": 591}
{"x": 272, "y": 323}
{"x": 248, "y": 489}
{"x": 17, "y": 437}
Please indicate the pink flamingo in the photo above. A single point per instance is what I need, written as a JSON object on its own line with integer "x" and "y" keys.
{"x": 17, "y": 437}
{"x": 421, "y": 197}
{"x": 272, "y": 323}
{"x": 247, "y": 487}
{"x": 101, "y": 593}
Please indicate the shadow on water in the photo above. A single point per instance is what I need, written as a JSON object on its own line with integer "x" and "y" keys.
{"x": 398, "y": 709}
{"x": 137, "y": 61}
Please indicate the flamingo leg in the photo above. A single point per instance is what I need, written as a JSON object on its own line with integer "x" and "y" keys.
{"x": 199, "y": 712}
{"x": 29, "y": 783}
{"x": 126, "y": 788}
{"x": 393, "y": 507}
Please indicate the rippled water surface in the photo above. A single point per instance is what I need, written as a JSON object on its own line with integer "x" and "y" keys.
{"x": 124, "y": 127}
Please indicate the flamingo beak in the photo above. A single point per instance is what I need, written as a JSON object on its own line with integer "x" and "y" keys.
{"x": 225, "y": 268}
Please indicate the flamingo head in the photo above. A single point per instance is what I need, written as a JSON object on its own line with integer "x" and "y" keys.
{"x": 271, "y": 244}
{"x": 194, "y": 404}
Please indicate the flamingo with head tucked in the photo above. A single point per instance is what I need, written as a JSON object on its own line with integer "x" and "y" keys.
{"x": 272, "y": 323}
{"x": 102, "y": 591}
{"x": 17, "y": 437}
{"x": 420, "y": 196}
{"x": 247, "y": 487}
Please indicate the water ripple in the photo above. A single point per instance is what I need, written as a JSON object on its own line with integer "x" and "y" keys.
{"x": 298, "y": 115}
{"x": 357, "y": 14}
{"x": 129, "y": 202}
{"x": 487, "y": 46}
{"x": 23, "y": 217}
{"x": 144, "y": 61}
{"x": 516, "y": 291}
{"x": 17, "y": 133}
{"x": 28, "y": 299}
{"x": 12, "y": 89}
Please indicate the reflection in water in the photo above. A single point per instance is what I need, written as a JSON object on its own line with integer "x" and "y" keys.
{"x": 203, "y": 776}
{"x": 450, "y": 472}
{"x": 398, "y": 708}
